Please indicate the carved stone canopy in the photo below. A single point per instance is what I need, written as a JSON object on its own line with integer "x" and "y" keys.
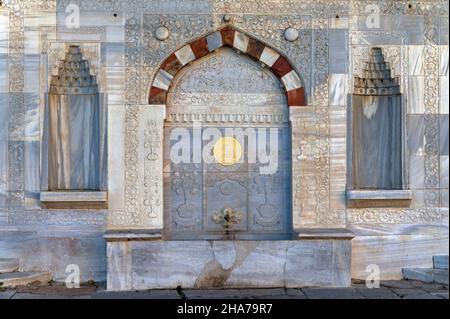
{"x": 376, "y": 78}
{"x": 74, "y": 76}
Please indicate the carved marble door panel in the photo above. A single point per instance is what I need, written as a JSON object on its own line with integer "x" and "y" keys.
{"x": 207, "y": 193}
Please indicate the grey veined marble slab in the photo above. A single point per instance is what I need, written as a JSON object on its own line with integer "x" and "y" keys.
{"x": 153, "y": 264}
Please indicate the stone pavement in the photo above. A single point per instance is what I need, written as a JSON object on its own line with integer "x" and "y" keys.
{"x": 401, "y": 289}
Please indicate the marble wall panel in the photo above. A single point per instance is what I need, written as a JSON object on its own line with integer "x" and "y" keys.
{"x": 115, "y": 34}
{"x": 444, "y": 171}
{"x": 443, "y": 30}
{"x": 32, "y": 70}
{"x": 416, "y": 172}
{"x": 32, "y": 42}
{"x": 4, "y": 78}
{"x": 338, "y": 52}
{"x": 338, "y": 89}
{"x": 414, "y": 25}
{"x": 3, "y": 149}
{"x": 32, "y": 150}
{"x": 34, "y": 18}
{"x": 416, "y": 54}
{"x": 116, "y": 119}
{"x": 444, "y": 202}
{"x": 414, "y": 134}
{"x": 338, "y": 158}
{"x": 443, "y": 60}
{"x": 228, "y": 264}
{"x": 443, "y": 94}
{"x": 393, "y": 252}
{"x": 4, "y": 31}
{"x": 54, "y": 251}
{"x": 415, "y": 102}
{"x": 418, "y": 198}
{"x": 443, "y": 134}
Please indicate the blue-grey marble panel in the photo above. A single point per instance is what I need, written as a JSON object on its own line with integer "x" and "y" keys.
{"x": 408, "y": 23}
{"x": 113, "y": 54}
{"x": 443, "y": 30}
{"x": 376, "y": 142}
{"x": 443, "y": 61}
{"x": 443, "y": 94}
{"x": 444, "y": 197}
{"x": 414, "y": 134}
{"x": 338, "y": 89}
{"x": 338, "y": 52}
{"x": 443, "y": 134}
{"x": 416, "y": 172}
{"x": 32, "y": 72}
{"x": 443, "y": 183}
{"x": 4, "y": 83}
{"x": 415, "y": 95}
{"x": 416, "y": 54}
{"x": 32, "y": 149}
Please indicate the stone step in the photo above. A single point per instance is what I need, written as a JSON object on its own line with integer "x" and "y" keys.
{"x": 14, "y": 279}
{"x": 426, "y": 275}
{"x": 9, "y": 265}
{"x": 440, "y": 262}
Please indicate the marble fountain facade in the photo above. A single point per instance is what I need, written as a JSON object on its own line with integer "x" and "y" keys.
{"x": 362, "y": 113}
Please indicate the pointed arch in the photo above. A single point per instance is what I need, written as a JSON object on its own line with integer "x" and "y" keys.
{"x": 231, "y": 37}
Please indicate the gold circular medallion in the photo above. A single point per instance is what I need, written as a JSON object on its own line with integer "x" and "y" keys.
{"x": 227, "y": 151}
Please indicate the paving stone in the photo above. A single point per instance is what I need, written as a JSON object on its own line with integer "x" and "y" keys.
{"x": 155, "y": 294}
{"x": 233, "y": 293}
{"x": 165, "y": 294}
{"x": 122, "y": 295}
{"x": 402, "y": 292}
{"x": 38, "y": 296}
{"x": 7, "y": 294}
{"x": 397, "y": 284}
{"x": 332, "y": 293}
{"x": 59, "y": 290}
{"x": 411, "y": 290}
{"x": 14, "y": 279}
{"x": 430, "y": 287}
{"x": 443, "y": 295}
{"x": 377, "y": 293}
{"x": 292, "y": 292}
{"x": 421, "y": 295}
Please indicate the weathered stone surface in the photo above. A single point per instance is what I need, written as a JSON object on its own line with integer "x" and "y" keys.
{"x": 440, "y": 261}
{"x": 426, "y": 275}
{"x": 155, "y": 294}
{"x": 377, "y": 293}
{"x": 125, "y": 56}
{"x": 357, "y": 291}
{"x": 168, "y": 264}
{"x": 55, "y": 253}
{"x": 227, "y": 264}
{"x": 392, "y": 249}
{"x": 7, "y": 294}
{"x": 234, "y": 293}
{"x": 332, "y": 293}
{"x": 14, "y": 279}
{"x": 9, "y": 264}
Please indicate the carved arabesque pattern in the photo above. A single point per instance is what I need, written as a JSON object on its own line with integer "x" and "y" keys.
{"x": 393, "y": 216}
{"x": 431, "y": 101}
{"x": 16, "y": 116}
